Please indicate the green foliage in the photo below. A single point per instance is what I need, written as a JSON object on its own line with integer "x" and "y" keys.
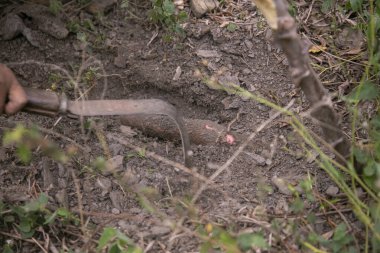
{"x": 248, "y": 241}
{"x": 231, "y": 27}
{"x": 341, "y": 241}
{"x": 164, "y": 13}
{"x": 220, "y": 239}
{"x": 116, "y": 242}
{"x": 124, "y": 4}
{"x": 366, "y": 91}
{"x": 26, "y": 139}
{"x": 55, "y": 6}
{"x": 327, "y": 5}
{"x": 31, "y": 216}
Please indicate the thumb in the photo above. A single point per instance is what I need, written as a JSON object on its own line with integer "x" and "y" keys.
{"x": 17, "y": 99}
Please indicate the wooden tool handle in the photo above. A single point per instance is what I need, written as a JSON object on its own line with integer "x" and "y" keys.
{"x": 42, "y": 102}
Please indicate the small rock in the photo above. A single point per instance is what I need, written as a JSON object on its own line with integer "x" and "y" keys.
{"x": 115, "y": 148}
{"x": 135, "y": 210}
{"x": 299, "y": 154}
{"x": 121, "y": 58}
{"x": 200, "y": 7}
{"x": 312, "y": 156}
{"x": 159, "y": 231}
{"x": 116, "y": 199}
{"x": 359, "y": 192}
{"x": 246, "y": 71}
{"x": 200, "y": 31}
{"x": 248, "y": 44}
{"x": 258, "y": 158}
{"x": 177, "y": 74}
{"x": 88, "y": 186}
{"x": 113, "y": 164}
{"x": 281, "y": 206}
{"x": 127, "y": 131}
{"x": 229, "y": 81}
{"x": 281, "y": 185}
{"x": 62, "y": 172}
{"x": 208, "y": 53}
{"x": 105, "y": 184}
{"x": 332, "y": 191}
{"x": 115, "y": 211}
{"x": 47, "y": 175}
{"x": 62, "y": 183}
{"x": 62, "y": 198}
{"x": 100, "y": 6}
{"x": 232, "y": 102}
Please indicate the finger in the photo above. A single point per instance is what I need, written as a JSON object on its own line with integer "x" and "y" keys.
{"x": 17, "y": 99}
{"x": 3, "y": 96}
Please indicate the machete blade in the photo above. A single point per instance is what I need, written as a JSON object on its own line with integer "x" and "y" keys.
{"x": 133, "y": 107}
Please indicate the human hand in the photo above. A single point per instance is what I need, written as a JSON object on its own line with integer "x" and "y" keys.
{"x": 12, "y": 95}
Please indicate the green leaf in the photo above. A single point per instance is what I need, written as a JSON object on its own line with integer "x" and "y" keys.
{"x": 360, "y": 155}
{"x": 124, "y": 238}
{"x": 182, "y": 16}
{"x": 55, "y": 6}
{"x": 9, "y": 218}
{"x": 327, "y": 5}
{"x": 168, "y": 7}
{"x": 50, "y": 218}
{"x": 7, "y": 249}
{"x": 63, "y": 212}
{"x": 24, "y": 153}
{"x": 36, "y": 205}
{"x": 231, "y": 27}
{"x": 370, "y": 169}
{"x": 366, "y": 91}
{"x": 124, "y": 4}
{"x": 205, "y": 247}
{"x": 114, "y": 249}
{"x": 297, "y": 205}
{"x": 134, "y": 249}
{"x": 14, "y": 136}
{"x": 25, "y": 226}
{"x": 107, "y": 236}
{"x": 356, "y": 5}
{"x": 247, "y": 241}
{"x": 340, "y": 231}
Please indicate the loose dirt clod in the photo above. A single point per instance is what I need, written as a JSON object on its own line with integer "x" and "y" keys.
{"x": 12, "y": 23}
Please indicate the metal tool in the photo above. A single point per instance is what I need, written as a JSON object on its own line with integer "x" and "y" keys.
{"x": 51, "y": 104}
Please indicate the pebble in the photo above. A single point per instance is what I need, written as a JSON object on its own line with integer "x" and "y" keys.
{"x": 261, "y": 161}
{"x": 116, "y": 198}
{"x": 115, "y": 211}
{"x": 281, "y": 185}
{"x": 208, "y": 53}
{"x": 159, "y": 230}
{"x": 332, "y": 191}
{"x": 201, "y": 7}
{"x": 105, "y": 184}
{"x": 62, "y": 198}
{"x": 113, "y": 164}
{"x": 100, "y": 6}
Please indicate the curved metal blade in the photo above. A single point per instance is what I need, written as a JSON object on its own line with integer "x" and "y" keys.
{"x": 131, "y": 107}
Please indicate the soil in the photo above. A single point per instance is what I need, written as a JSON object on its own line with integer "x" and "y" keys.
{"x": 139, "y": 63}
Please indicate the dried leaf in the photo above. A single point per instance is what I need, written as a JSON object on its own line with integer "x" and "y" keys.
{"x": 316, "y": 49}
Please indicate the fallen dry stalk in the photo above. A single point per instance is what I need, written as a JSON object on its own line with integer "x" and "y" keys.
{"x": 285, "y": 31}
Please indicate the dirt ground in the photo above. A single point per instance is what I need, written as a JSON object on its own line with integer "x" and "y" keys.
{"x": 147, "y": 66}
